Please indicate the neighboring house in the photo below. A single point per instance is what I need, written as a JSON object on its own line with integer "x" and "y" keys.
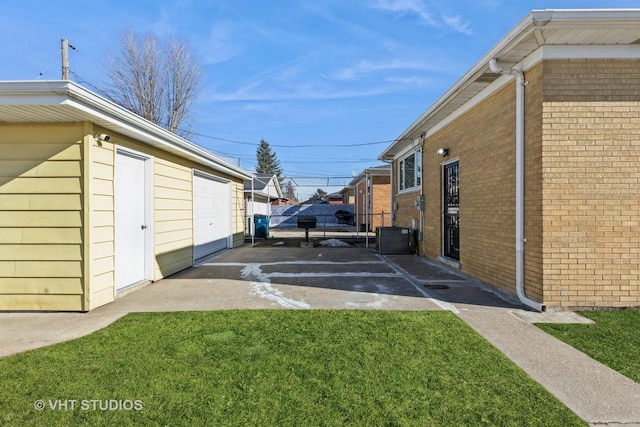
{"x": 348, "y": 197}
{"x": 334, "y": 199}
{"x": 530, "y": 181}
{"x": 372, "y": 188}
{"x": 265, "y": 190}
{"x": 96, "y": 201}
{"x": 283, "y": 201}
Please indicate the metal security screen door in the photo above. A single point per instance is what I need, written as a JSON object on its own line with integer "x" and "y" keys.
{"x": 451, "y": 211}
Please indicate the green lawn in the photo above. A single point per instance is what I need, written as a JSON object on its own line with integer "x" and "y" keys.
{"x": 277, "y": 368}
{"x": 614, "y": 338}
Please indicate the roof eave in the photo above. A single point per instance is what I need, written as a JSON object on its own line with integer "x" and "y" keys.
{"x": 556, "y": 18}
{"x": 69, "y": 94}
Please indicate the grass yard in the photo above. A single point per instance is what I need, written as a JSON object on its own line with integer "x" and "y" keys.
{"x": 613, "y": 339}
{"x": 276, "y": 368}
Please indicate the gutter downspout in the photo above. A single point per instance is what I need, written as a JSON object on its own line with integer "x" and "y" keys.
{"x": 520, "y": 240}
{"x": 252, "y": 225}
{"x": 366, "y": 208}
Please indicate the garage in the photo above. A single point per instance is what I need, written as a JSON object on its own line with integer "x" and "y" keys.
{"x": 212, "y": 226}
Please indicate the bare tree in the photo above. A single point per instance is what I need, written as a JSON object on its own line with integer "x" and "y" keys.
{"x": 155, "y": 80}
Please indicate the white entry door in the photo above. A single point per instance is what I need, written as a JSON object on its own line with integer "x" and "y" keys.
{"x": 211, "y": 215}
{"x": 132, "y": 230}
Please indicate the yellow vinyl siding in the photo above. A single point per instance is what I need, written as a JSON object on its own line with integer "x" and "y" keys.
{"x": 41, "y": 302}
{"x": 40, "y": 252}
{"x": 24, "y": 168}
{"x": 57, "y": 216}
{"x": 41, "y": 247}
{"x": 238, "y": 214}
{"x": 102, "y": 217}
{"x": 17, "y": 185}
{"x": 36, "y": 153}
{"x": 46, "y": 285}
{"x": 40, "y": 235}
{"x": 173, "y": 217}
{"x": 27, "y": 202}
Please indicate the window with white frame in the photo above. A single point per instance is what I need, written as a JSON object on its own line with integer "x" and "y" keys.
{"x": 410, "y": 171}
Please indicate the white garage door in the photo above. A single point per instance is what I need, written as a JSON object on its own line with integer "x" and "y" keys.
{"x": 211, "y": 215}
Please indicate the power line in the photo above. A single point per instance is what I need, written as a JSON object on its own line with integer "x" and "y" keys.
{"x": 320, "y": 177}
{"x": 364, "y": 144}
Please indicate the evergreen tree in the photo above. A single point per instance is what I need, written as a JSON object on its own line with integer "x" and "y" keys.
{"x": 266, "y": 160}
{"x": 289, "y": 191}
{"x": 319, "y": 196}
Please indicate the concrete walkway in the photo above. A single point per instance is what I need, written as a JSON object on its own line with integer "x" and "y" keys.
{"x": 259, "y": 278}
{"x": 596, "y": 393}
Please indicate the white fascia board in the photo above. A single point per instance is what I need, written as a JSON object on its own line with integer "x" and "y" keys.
{"x": 63, "y": 92}
{"x": 371, "y": 172}
{"x": 542, "y": 53}
{"x": 558, "y": 18}
{"x": 591, "y": 52}
{"x": 28, "y": 92}
{"x": 409, "y": 145}
{"x": 521, "y": 30}
{"x": 278, "y": 188}
{"x": 89, "y": 102}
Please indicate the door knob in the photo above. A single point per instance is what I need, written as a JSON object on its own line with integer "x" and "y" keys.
{"x": 143, "y": 227}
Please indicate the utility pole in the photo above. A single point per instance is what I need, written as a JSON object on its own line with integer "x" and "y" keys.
{"x": 64, "y": 46}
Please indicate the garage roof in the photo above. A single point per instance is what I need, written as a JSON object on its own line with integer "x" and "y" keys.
{"x": 62, "y": 101}
{"x": 585, "y": 27}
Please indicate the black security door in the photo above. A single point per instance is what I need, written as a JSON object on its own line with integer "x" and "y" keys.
{"x": 451, "y": 210}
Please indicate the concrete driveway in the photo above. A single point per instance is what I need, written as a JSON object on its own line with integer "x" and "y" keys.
{"x": 260, "y": 278}
{"x": 243, "y": 278}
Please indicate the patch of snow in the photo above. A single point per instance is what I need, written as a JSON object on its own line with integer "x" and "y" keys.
{"x": 261, "y": 286}
{"x": 335, "y": 243}
{"x": 265, "y": 290}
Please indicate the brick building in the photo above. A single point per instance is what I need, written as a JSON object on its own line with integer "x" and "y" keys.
{"x": 372, "y": 195}
{"x": 529, "y": 165}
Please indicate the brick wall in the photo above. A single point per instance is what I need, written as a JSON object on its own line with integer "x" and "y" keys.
{"x": 380, "y": 201}
{"x": 582, "y": 204}
{"x": 590, "y": 157}
{"x": 483, "y": 141}
{"x": 406, "y": 211}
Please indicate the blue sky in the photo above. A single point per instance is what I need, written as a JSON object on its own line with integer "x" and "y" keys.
{"x": 325, "y": 74}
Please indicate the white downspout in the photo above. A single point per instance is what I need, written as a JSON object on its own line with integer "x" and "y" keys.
{"x": 520, "y": 240}
{"x": 366, "y": 209}
{"x": 252, "y": 225}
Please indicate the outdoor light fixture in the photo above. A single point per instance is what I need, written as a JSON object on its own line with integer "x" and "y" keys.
{"x": 444, "y": 152}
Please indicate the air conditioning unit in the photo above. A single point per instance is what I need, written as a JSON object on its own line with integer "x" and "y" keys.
{"x": 393, "y": 241}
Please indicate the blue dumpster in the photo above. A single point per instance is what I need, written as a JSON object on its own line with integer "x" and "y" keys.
{"x": 261, "y": 225}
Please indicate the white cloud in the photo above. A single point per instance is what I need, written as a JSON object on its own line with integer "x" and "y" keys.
{"x": 220, "y": 45}
{"x": 456, "y": 23}
{"x": 420, "y": 9}
{"x": 407, "y": 6}
{"x": 364, "y": 68}
{"x": 409, "y": 81}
